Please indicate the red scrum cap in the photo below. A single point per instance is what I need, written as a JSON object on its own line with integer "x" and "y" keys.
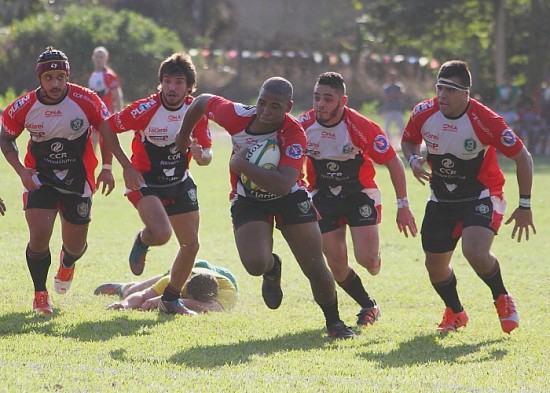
{"x": 52, "y": 60}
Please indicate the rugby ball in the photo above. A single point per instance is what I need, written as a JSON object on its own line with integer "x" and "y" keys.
{"x": 265, "y": 154}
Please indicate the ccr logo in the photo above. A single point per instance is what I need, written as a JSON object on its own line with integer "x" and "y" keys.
{"x": 447, "y": 163}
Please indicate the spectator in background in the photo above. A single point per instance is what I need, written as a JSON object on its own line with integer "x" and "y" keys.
{"x": 393, "y": 107}
{"x": 543, "y": 104}
{"x": 506, "y": 100}
{"x": 105, "y": 82}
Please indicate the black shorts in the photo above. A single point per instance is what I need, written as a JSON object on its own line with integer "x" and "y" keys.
{"x": 73, "y": 208}
{"x": 444, "y": 221}
{"x": 357, "y": 210}
{"x": 177, "y": 199}
{"x": 295, "y": 208}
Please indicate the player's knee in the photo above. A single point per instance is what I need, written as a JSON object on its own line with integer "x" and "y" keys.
{"x": 159, "y": 236}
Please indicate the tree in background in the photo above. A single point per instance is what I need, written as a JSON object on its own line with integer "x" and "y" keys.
{"x": 496, "y": 37}
{"x": 137, "y": 46}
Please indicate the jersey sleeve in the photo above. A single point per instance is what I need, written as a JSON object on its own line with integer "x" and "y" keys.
{"x": 13, "y": 117}
{"x": 412, "y": 132}
{"x": 491, "y": 129}
{"x": 292, "y": 140}
{"x": 232, "y": 116}
{"x": 370, "y": 137}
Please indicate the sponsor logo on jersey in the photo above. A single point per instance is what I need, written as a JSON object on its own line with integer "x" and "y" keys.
{"x": 175, "y": 118}
{"x": 54, "y": 113}
{"x": 18, "y": 104}
{"x": 142, "y": 108}
{"x": 34, "y": 128}
{"x": 422, "y": 107}
{"x": 332, "y": 166}
{"x": 450, "y": 127}
{"x": 328, "y": 135}
{"x": 508, "y": 138}
{"x": 381, "y": 144}
{"x": 294, "y": 151}
{"x": 77, "y": 124}
{"x": 157, "y": 130}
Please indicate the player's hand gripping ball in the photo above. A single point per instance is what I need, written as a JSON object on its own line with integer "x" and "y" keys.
{"x": 265, "y": 154}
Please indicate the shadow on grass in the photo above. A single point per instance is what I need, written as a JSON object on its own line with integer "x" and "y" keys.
{"x": 27, "y": 322}
{"x": 243, "y": 351}
{"x": 429, "y": 349}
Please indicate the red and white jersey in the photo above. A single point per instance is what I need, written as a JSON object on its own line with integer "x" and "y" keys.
{"x": 60, "y": 148}
{"x": 462, "y": 151}
{"x": 235, "y": 118}
{"x": 104, "y": 82}
{"x": 154, "y": 150}
{"x": 340, "y": 157}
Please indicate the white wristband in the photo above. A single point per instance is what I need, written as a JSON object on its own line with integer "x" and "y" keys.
{"x": 412, "y": 158}
{"x": 401, "y": 203}
{"x": 109, "y": 167}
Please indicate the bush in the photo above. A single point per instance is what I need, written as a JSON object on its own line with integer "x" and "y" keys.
{"x": 136, "y": 44}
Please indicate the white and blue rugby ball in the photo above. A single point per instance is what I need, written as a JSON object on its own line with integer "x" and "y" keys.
{"x": 265, "y": 154}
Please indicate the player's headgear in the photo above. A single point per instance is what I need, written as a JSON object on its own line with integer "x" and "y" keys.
{"x": 52, "y": 60}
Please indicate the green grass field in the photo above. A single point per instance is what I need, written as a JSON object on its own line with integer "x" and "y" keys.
{"x": 85, "y": 348}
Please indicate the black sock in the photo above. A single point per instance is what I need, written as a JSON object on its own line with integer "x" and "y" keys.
{"x": 275, "y": 270}
{"x": 493, "y": 279}
{"x": 39, "y": 265}
{"x": 69, "y": 259}
{"x": 447, "y": 291}
{"x": 332, "y": 315}
{"x": 354, "y": 287}
{"x": 170, "y": 294}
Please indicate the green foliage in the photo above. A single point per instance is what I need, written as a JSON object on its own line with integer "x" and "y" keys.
{"x": 7, "y": 98}
{"x": 137, "y": 47}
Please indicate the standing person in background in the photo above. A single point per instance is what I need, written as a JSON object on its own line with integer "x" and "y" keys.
{"x": 2, "y": 207}
{"x": 506, "y": 100}
{"x": 157, "y": 177}
{"x": 58, "y": 171}
{"x": 341, "y": 147}
{"x": 282, "y": 199}
{"x": 462, "y": 138}
{"x": 393, "y": 107}
{"x": 105, "y": 82}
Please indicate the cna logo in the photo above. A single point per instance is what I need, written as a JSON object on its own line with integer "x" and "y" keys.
{"x": 175, "y": 118}
{"x": 381, "y": 144}
{"x": 450, "y": 127}
{"x": 508, "y": 138}
{"x": 55, "y": 113}
{"x": 294, "y": 151}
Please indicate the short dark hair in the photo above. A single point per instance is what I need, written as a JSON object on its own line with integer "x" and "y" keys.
{"x": 333, "y": 80}
{"x": 279, "y": 86}
{"x": 456, "y": 69}
{"x": 179, "y": 64}
{"x": 202, "y": 287}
